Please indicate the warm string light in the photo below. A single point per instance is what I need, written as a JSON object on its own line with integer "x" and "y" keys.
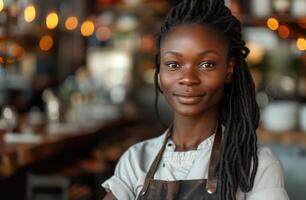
{"x": 46, "y": 43}
{"x": 29, "y": 13}
{"x": 1, "y": 5}
{"x": 272, "y": 24}
{"x": 52, "y": 20}
{"x": 301, "y": 44}
{"x": 87, "y": 28}
{"x": 104, "y": 33}
{"x": 71, "y": 23}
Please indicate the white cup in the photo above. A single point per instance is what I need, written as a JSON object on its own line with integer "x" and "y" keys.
{"x": 281, "y": 116}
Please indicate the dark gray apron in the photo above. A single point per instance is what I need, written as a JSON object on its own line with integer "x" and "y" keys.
{"x": 202, "y": 189}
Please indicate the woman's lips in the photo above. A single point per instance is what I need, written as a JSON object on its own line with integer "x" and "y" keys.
{"x": 189, "y": 99}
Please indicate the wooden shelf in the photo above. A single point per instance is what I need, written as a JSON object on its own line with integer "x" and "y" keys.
{"x": 286, "y": 138}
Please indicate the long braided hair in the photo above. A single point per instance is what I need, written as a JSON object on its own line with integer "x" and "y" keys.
{"x": 239, "y": 112}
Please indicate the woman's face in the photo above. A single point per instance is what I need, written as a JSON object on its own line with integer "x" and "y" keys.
{"x": 193, "y": 69}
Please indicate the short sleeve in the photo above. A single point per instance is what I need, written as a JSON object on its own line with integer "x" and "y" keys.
{"x": 131, "y": 169}
{"x": 269, "y": 180}
{"x": 121, "y": 183}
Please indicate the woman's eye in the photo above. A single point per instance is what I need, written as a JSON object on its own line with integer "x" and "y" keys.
{"x": 207, "y": 65}
{"x": 173, "y": 65}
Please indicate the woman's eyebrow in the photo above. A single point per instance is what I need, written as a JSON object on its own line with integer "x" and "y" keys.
{"x": 203, "y": 53}
{"x": 173, "y": 53}
{"x": 208, "y": 52}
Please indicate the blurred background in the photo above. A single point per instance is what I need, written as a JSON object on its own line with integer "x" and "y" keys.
{"x": 76, "y": 89}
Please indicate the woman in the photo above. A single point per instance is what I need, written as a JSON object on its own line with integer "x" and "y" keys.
{"x": 210, "y": 151}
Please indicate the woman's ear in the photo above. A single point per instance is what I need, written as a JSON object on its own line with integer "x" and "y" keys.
{"x": 230, "y": 70}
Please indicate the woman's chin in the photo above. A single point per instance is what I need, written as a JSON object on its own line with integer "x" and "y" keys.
{"x": 189, "y": 112}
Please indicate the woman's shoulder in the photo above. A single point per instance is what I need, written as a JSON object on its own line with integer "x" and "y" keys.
{"x": 146, "y": 146}
{"x": 132, "y": 167}
{"x": 266, "y": 156}
{"x": 269, "y": 179}
{"x": 143, "y": 153}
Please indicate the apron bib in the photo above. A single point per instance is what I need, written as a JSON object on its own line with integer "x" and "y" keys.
{"x": 201, "y": 189}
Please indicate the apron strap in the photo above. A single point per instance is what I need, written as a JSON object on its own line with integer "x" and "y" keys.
{"x": 212, "y": 180}
{"x": 155, "y": 163}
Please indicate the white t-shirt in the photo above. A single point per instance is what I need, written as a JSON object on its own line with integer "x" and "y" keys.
{"x": 130, "y": 172}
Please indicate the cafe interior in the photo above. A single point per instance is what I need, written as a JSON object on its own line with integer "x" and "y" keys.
{"x": 77, "y": 89}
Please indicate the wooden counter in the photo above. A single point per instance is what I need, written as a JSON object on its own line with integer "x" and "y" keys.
{"x": 17, "y": 155}
{"x": 286, "y": 138}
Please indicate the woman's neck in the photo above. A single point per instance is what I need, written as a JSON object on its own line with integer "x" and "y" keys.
{"x": 189, "y": 132}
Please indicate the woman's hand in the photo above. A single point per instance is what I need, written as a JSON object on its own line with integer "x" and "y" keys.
{"x": 109, "y": 196}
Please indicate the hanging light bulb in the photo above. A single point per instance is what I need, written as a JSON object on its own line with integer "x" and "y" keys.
{"x": 46, "y": 43}
{"x": 272, "y": 23}
{"x": 71, "y": 23}
{"x": 87, "y": 28}
{"x": 1, "y": 5}
{"x": 52, "y": 20}
{"x": 29, "y": 13}
{"x": 301, "y": 44}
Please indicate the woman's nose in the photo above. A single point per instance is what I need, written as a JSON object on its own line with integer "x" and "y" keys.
{"x": 189, "y": 77}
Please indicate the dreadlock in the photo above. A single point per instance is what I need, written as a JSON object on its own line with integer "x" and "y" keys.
{"x": 239, "y": 112}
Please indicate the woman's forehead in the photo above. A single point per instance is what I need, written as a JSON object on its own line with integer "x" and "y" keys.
{"x": 194, "y": 37}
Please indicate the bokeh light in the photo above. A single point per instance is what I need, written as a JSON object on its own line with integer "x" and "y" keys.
{"x": 87, "y": 28}
{"x": 301, "y": 44}
{"x": 1, "y": 5}
{"x": 46, "y": 43}
{"x": 272, "y": 23}
{"x": 52, "y": 20}
{"x": 283, "y": 31}
{"x": 71, "y": 23}
{"x": 29, "y": 13}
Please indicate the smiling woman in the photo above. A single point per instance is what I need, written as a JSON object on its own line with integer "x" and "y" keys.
{"x": 193, "y": 70}
{"x": 210, "y": 151}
